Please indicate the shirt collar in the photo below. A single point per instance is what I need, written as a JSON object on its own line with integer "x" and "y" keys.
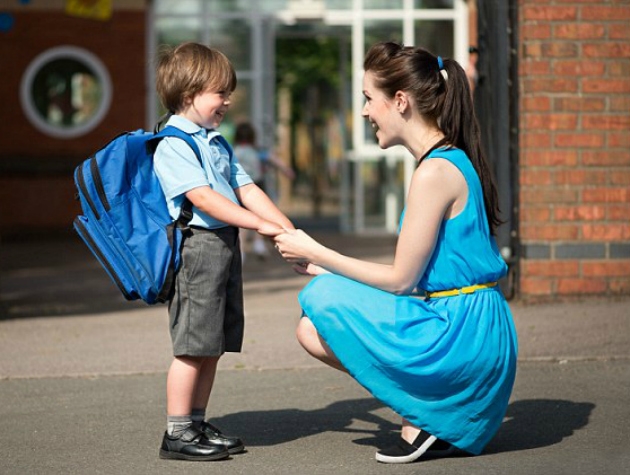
{"x": 191, "y": 128}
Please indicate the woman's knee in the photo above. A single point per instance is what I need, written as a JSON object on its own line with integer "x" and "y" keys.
{"x": 304, "y": 331}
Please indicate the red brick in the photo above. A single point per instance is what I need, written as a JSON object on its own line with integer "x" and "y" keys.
{"x": 535, "y": 68}
{"x": 550, "y": 268}
{"x": 602, "y": 12}
{"x": 536, "y": 103}
{"x": 549, "y": 13}
{"x": 551, "y": 121}
{"x": 619, "y": 177}
{"x": 559, "y": 50}
{"x": 579, "y": 68}
{"x": 569, "y": 286}
{"x": 579, "y": 213}
{"x": 535, "y": 31}
{"x": 614, "y": 268}
{"x": 550, "y": 232}
{"x": 620, "y": 103}
{"x": 604, "y": 158}
{"x": 618, "y": 139}
{"x": 619, "y": 69}
{"x": 535, "y": 286}
{"x": 619, "y": 212}
{"x": 606, "y": 195}
{"x": 580, "y": 177}
{"x": 584, "y": 104}
{"x": 549, "y": 194}
{"x": 550, "y": 85}
{"x": 618, "y": 32}
{"x": 606, "y": 232}
{"x": 576, "y": 31}
{"x": 607, "y": 122}
{"x": 579, "y": 140}
{"x": 536, "y": 176}
{"x": 606, "y": 85}
{"x": 549, "y": 157}
{"x": 535, "y": 140}
{"x": 532, "y": 215}
{"x": 532, "y": 50}
{"x": 606, "y": 50}
{"x": 619, "y": 286}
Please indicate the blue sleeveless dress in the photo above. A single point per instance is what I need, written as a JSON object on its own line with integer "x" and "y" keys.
{"x": 445, "y": 364}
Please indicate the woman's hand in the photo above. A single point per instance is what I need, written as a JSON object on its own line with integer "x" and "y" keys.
{"x": 297, "y": 246}
{"x": 307, "y": 268}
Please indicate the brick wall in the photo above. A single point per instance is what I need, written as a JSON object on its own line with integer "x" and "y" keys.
{"x": 36, "y": 186}
{"x": 574, "y": 63}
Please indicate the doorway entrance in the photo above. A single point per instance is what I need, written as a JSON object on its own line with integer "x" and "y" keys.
{"x": 299, "y": 68}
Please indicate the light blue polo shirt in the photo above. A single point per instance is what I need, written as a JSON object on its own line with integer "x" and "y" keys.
{"x": 179, "y": 171}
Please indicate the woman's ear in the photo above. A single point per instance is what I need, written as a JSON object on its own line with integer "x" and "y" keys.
{"x": 402, "y": 101}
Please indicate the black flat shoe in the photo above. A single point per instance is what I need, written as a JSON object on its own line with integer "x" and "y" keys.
{"x": 191, "y": 445}
{"x": 425, "y": 443}
{"x": 233, "y": 444}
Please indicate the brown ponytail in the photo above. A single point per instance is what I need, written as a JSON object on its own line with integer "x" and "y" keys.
{"x": 441, "y": 96}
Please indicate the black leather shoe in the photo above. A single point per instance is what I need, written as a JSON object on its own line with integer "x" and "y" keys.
{"x": 215, "y": 436}
{"x": 191, "y": 445}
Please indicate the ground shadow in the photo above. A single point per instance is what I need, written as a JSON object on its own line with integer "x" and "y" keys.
{"x": 529, "y": 424}
{"x": 268, "y": 428}
{"x": 535, "y": 423}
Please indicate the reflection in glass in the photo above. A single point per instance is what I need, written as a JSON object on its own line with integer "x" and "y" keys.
{"x": 433, "y": 4}
{"x": 387, "y": 30}
{"x": 382, "y": 4}
{"x": 173, "y": 31}
{"x": 66, "y": 93}
{"x": 436, "y": 36}
{"x": 178, "y": 7}
{"x": 233, "y": 38}
{"x": 239, "y": 108}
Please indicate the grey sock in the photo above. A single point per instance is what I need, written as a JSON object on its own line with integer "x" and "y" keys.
{"x": 198, "y": 415}
{"x": 176, "y": 425}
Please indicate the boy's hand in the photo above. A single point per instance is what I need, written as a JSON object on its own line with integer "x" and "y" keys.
{"x": 270, "y": 229}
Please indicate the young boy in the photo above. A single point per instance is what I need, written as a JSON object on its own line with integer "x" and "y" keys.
{"x": 194, "y": 83}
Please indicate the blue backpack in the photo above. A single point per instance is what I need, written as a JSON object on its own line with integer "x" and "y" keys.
{"x": 125, "y": 221}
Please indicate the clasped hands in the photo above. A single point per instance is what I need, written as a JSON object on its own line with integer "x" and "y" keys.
{"x": 296, "y": 247}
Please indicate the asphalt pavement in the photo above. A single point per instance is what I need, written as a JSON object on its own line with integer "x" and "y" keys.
{"x": 82, "y": 381}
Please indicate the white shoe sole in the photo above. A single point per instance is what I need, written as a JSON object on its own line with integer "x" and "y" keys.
{"x": 407, "y": 458}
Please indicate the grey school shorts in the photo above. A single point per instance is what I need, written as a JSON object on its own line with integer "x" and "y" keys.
{"x": 206, "y": 310}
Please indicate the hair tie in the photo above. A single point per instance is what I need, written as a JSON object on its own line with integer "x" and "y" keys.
{"x": 441, "y": 68}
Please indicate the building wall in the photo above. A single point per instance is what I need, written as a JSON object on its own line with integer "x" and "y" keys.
{"x": 36, "y": 187}
{"x": 574, "y": 63}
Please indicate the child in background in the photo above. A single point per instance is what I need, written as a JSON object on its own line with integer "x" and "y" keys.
{"x": 194, "y": 83}
{"x": 255, "y": 165}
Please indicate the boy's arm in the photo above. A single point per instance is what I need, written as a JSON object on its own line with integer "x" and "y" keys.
{"x": 221, "y": 208}
{"x": 257, "y": 201}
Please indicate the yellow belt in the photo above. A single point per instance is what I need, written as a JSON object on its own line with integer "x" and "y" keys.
{"x": 453, "y": 292}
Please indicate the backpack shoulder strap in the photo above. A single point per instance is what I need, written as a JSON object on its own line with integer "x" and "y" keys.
{"x": 186, "y": 213}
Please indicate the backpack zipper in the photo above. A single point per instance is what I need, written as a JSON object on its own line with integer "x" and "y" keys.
{"x": 98, "y": 182}
{"x": 84, "y": 192}
{"x": 83, "y": 232}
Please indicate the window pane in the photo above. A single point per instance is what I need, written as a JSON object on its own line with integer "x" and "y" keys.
{"x": 239, "y": 108}
{"x": 382, "y": 4}
{"x": 66, "y": 93}
{"x": 433, "y": 4}
{"x": 233, "y": 38}
{"x": 177, "y": 7}
{"x": 173, "y": 31}
{"x": 436, "y": 36}
{"x": 376, "y": 31}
